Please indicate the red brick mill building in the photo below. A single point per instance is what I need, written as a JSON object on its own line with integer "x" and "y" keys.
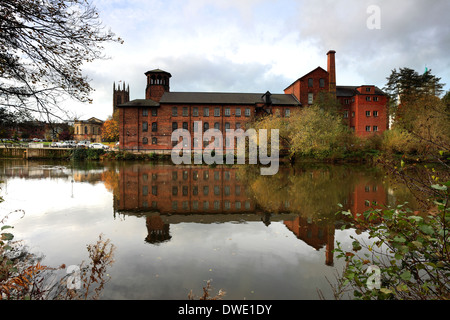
{"x": 146, "y": 125}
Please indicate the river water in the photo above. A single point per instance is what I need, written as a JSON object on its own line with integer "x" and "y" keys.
{"x": 175, "y": 227}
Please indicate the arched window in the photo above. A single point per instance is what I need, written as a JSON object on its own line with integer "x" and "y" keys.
{"x": 85, "y": 130}
{"x": 144, "y": 140}
{"x": 154, "y": 140}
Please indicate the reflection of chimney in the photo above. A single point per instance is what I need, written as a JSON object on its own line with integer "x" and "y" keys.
{"x": 332, "y": 71}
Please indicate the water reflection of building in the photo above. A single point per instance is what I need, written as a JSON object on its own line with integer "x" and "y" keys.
{"x": 167, "y": 195}
{"x": 182, "y": 190}
{"x": 314, "y": 234}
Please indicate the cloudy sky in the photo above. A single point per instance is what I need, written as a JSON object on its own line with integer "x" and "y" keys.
{"x": 260, "y": 45}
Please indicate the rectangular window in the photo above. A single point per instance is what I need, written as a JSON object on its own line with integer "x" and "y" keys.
{"x": 345, "y": 114}
{"x": 238, "y": 112}
{"x": 367, "y": 98}
{"x": 367, "y": 89}
{"x": 238, "y": 125}
{"x": 154, "y": 112}
{"x": 174, "y": 111}
{"x": 195, "y": 112}
{"x": 322, "y": 83}
{"x": 227, "y": 112}
{"x": 375, "y": 128}
{"x": 145, "y": 126}
{"x": 154, "y": 127}
{"x": 174, "y": 126}
{"x": 216, "y": 112}
{"x": 247, "y": 112}
{"x": 206, "y": 112}
{"x": 353, "y": 114}
{"x": 310, "y": 98}
{"x": 227, "y": 125}
{"x": 367, "y": 113}
{"x": 145, "y": 112}
{"x": 185, "y": 112}
{"x": 155, "y": 190}
{"x": 185, "y": 125}
{"x": 375, "y": 114}
{"x": 367, "y": 128}
{"x": 375, "y": 98}
{"x": 310, "y": 82}
{"x": 287, "y": 113}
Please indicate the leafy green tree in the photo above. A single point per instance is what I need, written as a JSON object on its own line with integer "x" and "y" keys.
{"x": 409, "y": 258}
{"x": 318, "y": 133}
{"x": 407, "y": 83}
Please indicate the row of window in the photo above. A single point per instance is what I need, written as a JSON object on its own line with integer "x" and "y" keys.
{"x": 311, "y": 83}
{"x": 95, "y": 130}
{"x": 185, "y": 126}
{"x": 368, "y": 128}
{"x": 195, "y": 175}
{"x": 368, "y": 99}
{"x": 205, "y": 205}
{"x": 368, "y": 114}
{"x": 196, "y": 113}
{"x": 195, "y": 191}
{"x": 217, "y": 143}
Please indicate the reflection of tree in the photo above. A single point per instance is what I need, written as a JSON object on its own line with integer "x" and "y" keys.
{"x": 310, "y": 192}
{"x": 111, "y": 180}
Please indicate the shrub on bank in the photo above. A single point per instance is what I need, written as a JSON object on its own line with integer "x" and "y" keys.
{"x": 87, "y": 154}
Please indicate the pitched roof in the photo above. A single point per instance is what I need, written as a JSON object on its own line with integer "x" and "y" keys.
{"x": 225, "y": 98}
{"x": 304, "y": 76}
{"x": 139, "y": 103}
{"x": 158, "y": 71}
{"x": 350, "y": 91}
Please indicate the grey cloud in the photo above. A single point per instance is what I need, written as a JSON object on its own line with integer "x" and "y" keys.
{"x": 414, "y": 33}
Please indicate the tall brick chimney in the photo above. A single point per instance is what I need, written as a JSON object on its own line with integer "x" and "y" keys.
{"x": 332, "y": 71}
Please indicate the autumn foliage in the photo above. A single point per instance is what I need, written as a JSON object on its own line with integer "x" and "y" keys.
{"x": 110, "y": 130}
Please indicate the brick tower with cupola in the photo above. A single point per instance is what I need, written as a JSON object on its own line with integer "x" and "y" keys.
{"x": 158, "y": 82}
